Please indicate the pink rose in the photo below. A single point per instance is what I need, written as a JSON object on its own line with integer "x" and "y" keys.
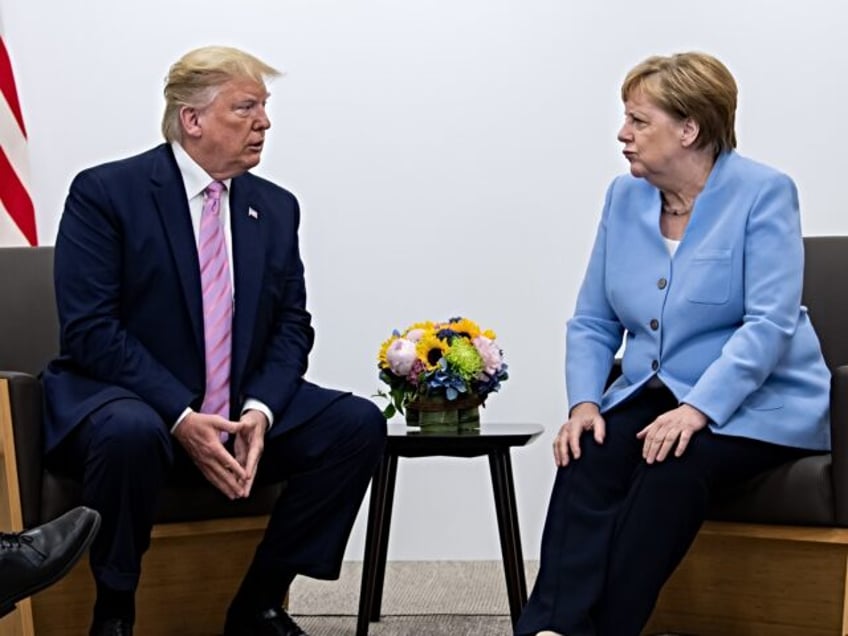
{"x": 401, "y": 355}
{"x": 415, "y": 335}
{"x": 490, "y": 352}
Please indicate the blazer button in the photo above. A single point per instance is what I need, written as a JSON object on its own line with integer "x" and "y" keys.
{"x": 655, "y": 324}
{"x": 662, "y": 283}
{"x": 655, "y": 365}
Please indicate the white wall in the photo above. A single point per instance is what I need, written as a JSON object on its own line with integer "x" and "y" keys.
{"x": 450, "y": 158}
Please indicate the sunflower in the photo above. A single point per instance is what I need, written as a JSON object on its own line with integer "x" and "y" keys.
{"x": 464, "y": 327}
{"x": 426, "y": 326}
{"x": 431, "y": 349}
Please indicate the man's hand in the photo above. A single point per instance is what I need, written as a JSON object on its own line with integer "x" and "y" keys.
{"x": 250, "y": 442}
{"x": 584, "y": 417}
{"x": 672, "y": 429}
{"x": 200, "y": 435}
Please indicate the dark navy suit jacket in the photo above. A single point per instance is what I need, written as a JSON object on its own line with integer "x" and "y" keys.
{"x": 129, "y": 298}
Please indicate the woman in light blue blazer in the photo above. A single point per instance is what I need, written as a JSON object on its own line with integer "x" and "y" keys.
{"x": 697, "y": 267}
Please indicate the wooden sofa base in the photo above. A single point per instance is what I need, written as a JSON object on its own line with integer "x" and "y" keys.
{"x": 189, "y": 577}
{"x": 758, "y": 580}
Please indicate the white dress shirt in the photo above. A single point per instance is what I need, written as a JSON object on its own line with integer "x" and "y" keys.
{"x": 196, "y": 180}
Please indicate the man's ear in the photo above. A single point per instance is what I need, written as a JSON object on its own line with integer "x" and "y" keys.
{"x": 190, "y": 122}
{"x": 689, "y": 134}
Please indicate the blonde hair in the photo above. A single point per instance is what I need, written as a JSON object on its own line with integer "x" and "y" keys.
{"x": 195, "y": 78}
{"x": 692, "y": 85}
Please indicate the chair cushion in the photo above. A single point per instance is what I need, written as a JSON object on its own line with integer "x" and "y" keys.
{"x": 179, "y": 503}
{"x": 797, "y": 493}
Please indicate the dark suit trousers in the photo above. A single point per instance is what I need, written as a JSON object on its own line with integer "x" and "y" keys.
{"x": 617, "y": 527}
{"x": 124, "y": 455}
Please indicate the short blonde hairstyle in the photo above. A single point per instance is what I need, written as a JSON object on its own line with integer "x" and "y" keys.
{"x": 692, "y": 85}
{"x": 195, "y": 78}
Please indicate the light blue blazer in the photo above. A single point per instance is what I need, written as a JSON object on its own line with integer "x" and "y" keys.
{"x": 720, "y": 323}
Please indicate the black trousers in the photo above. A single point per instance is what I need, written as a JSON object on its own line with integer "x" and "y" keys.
{"x": 617, "y": 527}
{"x": 124, "y": 455}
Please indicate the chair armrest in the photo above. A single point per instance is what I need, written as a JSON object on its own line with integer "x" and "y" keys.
{"x": 839, "y": 442}
{"x": 26, "y": 404}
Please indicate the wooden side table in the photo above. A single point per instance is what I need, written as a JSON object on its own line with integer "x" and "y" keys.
{"x": 494, "y": 440}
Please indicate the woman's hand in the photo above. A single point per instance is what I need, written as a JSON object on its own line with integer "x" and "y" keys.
{"x": 584, "y": 417}
{"x": 674, "y": 427}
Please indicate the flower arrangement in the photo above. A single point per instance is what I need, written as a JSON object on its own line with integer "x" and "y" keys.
{"x": 448, "y": 360}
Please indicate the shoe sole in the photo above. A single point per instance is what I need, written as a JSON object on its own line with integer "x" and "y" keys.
{"x": 9, "y": 605}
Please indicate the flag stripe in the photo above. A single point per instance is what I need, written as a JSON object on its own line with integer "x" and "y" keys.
{"x": 16, "y": 199}
{"x": 12, "y": 141}
{"x": 16, "y": 205}
{"x": 7, "y": 85}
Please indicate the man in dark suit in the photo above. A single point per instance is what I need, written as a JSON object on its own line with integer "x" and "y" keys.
{"x": 184, "y": 340}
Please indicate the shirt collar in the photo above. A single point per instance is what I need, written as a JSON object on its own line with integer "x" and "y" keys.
{"x": 195, "y": 178}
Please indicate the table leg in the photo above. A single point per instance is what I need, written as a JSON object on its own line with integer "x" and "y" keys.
{"x": 376, "y": 543}
{"x": 505, "y": 506}
{"x": 383, "y": 543}
{"x": 375, "y": 508}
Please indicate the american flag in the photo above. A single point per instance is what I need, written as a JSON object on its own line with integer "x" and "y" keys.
{"x": 17, "y": 214}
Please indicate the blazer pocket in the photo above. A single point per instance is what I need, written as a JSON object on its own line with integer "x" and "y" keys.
{"x": 764, "y": 399}
{"x": 708, "y": 279}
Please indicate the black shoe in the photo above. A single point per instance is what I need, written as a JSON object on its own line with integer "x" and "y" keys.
{"x": 272, "y": 622}
{"x": 34, "y": 559}
{"x": 111, "y": 627}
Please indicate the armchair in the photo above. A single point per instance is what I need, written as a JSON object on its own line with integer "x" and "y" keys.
{"x": 773, "y": 559}
{"x": 202, "y": 542}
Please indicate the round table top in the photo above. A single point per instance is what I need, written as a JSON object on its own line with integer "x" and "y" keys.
{"x": 409, "y": 441}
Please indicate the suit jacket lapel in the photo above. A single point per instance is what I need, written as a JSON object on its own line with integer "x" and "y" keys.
{"x": 172, "y": 205}
{"x": 248, "y": 263}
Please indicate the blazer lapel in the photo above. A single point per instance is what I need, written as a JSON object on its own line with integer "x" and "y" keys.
{"x": 248, "y": 263}
{"x": 172, "y": 205}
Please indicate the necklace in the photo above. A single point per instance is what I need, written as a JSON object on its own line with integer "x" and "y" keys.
{"x": 667, "y": 209}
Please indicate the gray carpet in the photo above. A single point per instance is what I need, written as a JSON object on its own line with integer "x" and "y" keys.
{"x": 410, "y": 626}
{"x": 427, "y": 598}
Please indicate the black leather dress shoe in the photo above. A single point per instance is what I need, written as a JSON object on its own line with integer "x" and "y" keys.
{"x": 111, "y": 627}
{"x": 34, "y": 559}
{"x": 272, "y": 622}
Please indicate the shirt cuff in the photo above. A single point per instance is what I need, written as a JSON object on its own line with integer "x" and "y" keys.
{"x": 182, "y": 416}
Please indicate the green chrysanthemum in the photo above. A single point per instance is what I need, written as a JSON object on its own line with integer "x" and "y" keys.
{"x": 464, "y": 359}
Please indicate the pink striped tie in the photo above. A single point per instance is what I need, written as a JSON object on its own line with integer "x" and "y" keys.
{"x": 217, "y": 304}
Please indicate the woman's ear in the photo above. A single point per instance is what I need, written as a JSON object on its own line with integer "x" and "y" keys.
{"x": 689, "y": 133}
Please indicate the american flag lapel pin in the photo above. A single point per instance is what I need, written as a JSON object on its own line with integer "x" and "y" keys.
{"x": 253, "y": 214}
